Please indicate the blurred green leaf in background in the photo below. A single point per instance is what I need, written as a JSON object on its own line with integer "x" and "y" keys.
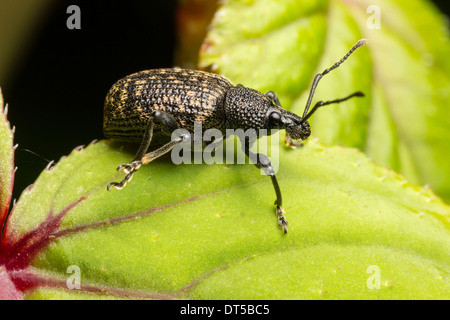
{"x": 403, "y": 123}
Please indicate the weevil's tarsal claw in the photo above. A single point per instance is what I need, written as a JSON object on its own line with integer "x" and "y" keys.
{"x": 292, "y": 143}
{"x": 128, "y": 169}
{"x": 121, "y": 184}
{"x": 111, "y": 184}
{"x": 282, "y": 222}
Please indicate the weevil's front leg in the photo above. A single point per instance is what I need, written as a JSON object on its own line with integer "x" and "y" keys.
{"x": 168, "y": 124}
{"x": 292, "y": 143}
{"x": 263, "y": 162}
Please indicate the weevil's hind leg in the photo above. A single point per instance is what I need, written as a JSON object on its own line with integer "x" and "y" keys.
{"x": 263, "y": 162}
{"x": 168, "y": 124}
{"x": 147, "y": 158}
{"x": 133, "y": 166}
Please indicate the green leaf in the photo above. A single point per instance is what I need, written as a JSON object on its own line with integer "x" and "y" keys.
{"x": 357, "y": 230}
{"x": 404, "y": 121}
{"x": 6, "y": 164}
{"x": 210, "y": 232}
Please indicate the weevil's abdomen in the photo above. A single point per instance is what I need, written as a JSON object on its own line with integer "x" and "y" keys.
{"x": 188, "y": 95}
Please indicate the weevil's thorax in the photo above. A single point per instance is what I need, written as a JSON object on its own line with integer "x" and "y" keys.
{"x": 246, "y": 108}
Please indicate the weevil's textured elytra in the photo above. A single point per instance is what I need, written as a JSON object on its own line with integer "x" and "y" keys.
{"x": 187, "y": 95}
{"x": 150, "y": 105}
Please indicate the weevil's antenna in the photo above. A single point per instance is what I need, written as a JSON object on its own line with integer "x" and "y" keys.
{"x": 320, "y": 75}
{"x": 324, "y": 103}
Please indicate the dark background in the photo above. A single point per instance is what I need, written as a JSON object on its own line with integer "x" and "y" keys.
{"x": 55, "y": 95}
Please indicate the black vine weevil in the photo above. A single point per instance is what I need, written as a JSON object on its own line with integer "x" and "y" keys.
{"x": 154, "y": 103}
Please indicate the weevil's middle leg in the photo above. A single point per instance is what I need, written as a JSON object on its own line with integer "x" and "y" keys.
{"x": 168, "y": 124}
{"x": 263, "y": 162}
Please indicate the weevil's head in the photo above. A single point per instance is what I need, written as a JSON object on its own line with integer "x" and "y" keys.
{"x": 278, "y": 118}
{"x": 250, "y": 109}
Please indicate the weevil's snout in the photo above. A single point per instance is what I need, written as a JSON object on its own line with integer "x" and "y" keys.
{"x": 299, "y": 130}
{"x": 282, "y": 119}
{"x": 295, "y": 127}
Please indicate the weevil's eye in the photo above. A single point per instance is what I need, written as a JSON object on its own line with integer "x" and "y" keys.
{"x": 275, "y": 117}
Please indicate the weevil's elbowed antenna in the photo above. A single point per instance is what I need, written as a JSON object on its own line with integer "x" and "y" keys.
{"x": 317, "y": 78}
